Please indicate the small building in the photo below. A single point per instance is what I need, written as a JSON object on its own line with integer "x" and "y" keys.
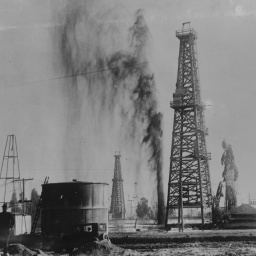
{"x": 243, "y": 216}
{"x": 252, "y": 202}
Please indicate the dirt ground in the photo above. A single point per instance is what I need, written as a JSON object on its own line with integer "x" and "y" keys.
{"x": 156, "y": 236}
{"x": 190, "y": 242}
{"x": 160, "y": 243}
{"x": 202, "y": 249}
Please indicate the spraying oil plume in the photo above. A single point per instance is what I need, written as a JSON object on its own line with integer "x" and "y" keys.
{"x": 143, "y": 97}
{"x": 117, "y": 80}
{"x": 230, "y": 174}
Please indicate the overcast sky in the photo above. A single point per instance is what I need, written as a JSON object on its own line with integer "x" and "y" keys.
{"x": 32, "y": 106}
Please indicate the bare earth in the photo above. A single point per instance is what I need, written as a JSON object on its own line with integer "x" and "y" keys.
{"x": 190, "y": 242}
{"x": 161, "y": 243}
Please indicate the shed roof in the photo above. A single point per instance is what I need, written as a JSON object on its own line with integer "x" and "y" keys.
{"x": 244, "y": 209}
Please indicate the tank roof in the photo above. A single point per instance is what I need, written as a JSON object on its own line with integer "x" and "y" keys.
{"x": 243, "y": 209}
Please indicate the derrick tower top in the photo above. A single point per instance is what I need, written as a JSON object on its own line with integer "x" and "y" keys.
{"x": 117, "y": 170}
{"x": 187, "y": 93}
{"x": 186, "y": 31}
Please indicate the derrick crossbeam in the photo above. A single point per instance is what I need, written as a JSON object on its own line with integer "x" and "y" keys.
{"x": 189, "y": 178}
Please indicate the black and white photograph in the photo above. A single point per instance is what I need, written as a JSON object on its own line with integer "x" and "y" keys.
{"x": 127, "y": 127}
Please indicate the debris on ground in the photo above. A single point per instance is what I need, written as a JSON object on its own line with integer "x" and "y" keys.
{"x": 102, "y": 248}
{"x": 190, "y": 243}
{"x": 21, "y": 250}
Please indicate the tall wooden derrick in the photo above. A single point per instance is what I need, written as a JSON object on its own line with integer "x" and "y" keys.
{"x": 189, "y": 178}
{"x": 117, "y": 199}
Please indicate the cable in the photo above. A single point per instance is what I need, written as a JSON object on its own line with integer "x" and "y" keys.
{"x": 68, "y": 76}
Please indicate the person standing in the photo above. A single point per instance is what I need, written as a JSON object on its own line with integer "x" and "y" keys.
{"x": 6, "y": 225}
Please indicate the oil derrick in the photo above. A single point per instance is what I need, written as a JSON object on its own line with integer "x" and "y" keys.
{"x": 189, "y": 178}
{"x": 230, "y": 175}
{"x": 117, "y": 199}
{"x": 216, "y": 212}
{"x": 10, "y": 170}
{"x": 10, "y": 173}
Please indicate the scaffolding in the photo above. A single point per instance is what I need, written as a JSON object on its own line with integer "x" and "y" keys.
{"x": 189, "y": 177}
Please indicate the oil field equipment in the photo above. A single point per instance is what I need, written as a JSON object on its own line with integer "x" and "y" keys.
{"x": 75, "y": 211}
{"x": 189, "y": 178}
{"x": 38, "y": 210}
{"x": 230, "y": 175}
{"x": 117, "y": 199}
{"x": 10, "y": 174}
{"x": 217, "y": 212}
{"x": 10, "y": 169}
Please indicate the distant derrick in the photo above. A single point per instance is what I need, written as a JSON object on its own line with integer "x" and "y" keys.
{"x": 216, "y": 211}
{"x": 10, "y": 170}
{"x": 117, "y": 199}
{"x": 217, "y": 197}
{"x": 230, "y": 175}
{"x": 189, "y": 180}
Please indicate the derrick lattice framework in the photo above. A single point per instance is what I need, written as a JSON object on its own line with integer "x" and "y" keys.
{"x": 189, "y": 178}
{"x": 117, "y": 200}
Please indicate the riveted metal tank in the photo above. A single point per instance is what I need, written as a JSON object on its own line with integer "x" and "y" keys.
{"x": 67, "y": 204}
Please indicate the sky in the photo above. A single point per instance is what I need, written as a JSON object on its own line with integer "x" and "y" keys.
{"x": 35, "y": 107}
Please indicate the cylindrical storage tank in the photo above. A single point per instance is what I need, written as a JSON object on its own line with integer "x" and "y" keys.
{"x": 67, "y": 204}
